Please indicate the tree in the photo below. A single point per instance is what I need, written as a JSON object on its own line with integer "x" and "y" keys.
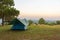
{"x": 41, "y": 21}
{"x": 7, "y": 11}
{"x": 10, "y": 13}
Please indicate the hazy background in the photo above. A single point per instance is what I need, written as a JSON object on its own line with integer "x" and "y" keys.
{"x": 48, "y": 9}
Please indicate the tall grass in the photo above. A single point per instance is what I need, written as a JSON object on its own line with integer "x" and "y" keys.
{"x": 34, "y": 32}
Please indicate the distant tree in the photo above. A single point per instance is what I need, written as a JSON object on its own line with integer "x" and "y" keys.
{"x": 58, "y": 22}
{"x": 30, "y": 22}
{"x": 41, "y": 21}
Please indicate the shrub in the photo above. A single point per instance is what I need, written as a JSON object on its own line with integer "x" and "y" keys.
{"x": 30, "y": 22}
{"x": 58, "y": 22}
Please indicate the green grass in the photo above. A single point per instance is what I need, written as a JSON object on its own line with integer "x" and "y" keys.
{"x": 34, "y": 32}
{"x": 5, "y": 28}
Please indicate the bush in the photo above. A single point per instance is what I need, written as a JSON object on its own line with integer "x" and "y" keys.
{"x": 58, "y": 22}
{"x": 30, "y": 22}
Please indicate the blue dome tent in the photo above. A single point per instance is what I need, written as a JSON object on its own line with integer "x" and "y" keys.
{"x": 20, "y": 24}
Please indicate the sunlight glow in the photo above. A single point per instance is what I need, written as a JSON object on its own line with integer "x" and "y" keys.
{"x": 38, "y": 8}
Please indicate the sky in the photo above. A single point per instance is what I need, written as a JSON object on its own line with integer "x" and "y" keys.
{"x": 38, "y": 8}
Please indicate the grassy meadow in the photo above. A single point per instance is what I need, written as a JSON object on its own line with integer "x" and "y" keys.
{"x": 34, "y": 32}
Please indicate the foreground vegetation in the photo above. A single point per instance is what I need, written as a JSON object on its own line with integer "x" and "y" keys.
{"x": 34, "y": 32}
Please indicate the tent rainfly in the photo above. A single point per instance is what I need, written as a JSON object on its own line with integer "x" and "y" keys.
{"x": 20, "y": 24}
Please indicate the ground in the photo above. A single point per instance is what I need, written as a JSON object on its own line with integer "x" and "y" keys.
{"x": 34, "y": 32}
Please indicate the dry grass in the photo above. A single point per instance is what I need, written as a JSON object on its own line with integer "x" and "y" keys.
{"x": 34, "y": 32}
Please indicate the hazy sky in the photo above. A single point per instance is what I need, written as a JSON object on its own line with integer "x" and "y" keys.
{"x": 38, "y": 8}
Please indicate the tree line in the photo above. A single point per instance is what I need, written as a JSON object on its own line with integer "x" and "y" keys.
{"x": 43, "y": 21}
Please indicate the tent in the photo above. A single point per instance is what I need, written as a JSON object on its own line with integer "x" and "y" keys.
{"x": 20, "y": 24}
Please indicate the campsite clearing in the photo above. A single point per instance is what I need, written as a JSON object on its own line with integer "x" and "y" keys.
{"x": 34, "y": 32}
